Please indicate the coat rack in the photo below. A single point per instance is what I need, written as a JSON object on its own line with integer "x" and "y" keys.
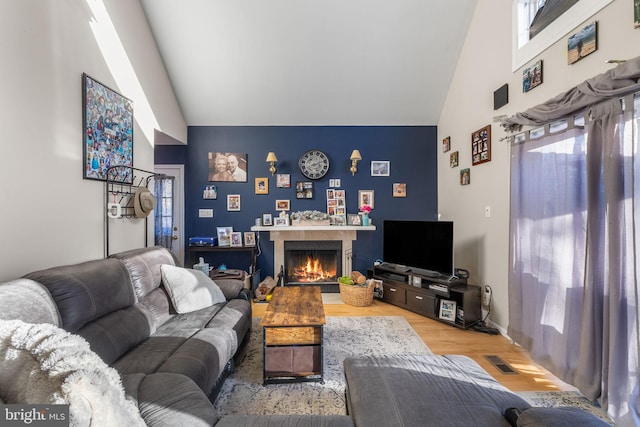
{"x": 121, "y": 185}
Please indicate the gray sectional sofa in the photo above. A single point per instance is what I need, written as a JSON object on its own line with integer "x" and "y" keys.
{"x": 109, "y": 338}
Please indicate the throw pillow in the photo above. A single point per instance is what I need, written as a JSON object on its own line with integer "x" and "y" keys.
{"x": 189, "y": 289}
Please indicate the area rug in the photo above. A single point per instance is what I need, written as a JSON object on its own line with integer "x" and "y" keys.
{"x": 243, "y": 392}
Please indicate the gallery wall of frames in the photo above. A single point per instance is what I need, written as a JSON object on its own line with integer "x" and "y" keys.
{"x": 396, "y": 177}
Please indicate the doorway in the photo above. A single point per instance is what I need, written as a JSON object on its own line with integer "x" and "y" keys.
{"x": 177, "y": 172}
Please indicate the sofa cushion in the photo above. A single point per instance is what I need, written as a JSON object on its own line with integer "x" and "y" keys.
{"x": 87, "y": 291}
{"x": 189, "y": 289}
{"x": 170, "y": 400}
{"x": 28, "y": 301}
{"x": 43, "y": 364}
{"x": 286, "y": 421}
{"x": 144, "y": 267}
{"x": 562, "y": 416}
{"x": 409, "y": 390}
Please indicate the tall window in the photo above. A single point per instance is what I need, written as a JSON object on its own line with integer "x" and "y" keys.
{"x": 548, "y": 22}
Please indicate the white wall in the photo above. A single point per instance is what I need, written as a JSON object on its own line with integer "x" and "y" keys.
{"x": 482, "y": 244}
{"x": 50, "y": 214}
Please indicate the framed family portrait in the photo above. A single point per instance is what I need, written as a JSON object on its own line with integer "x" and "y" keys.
{"x": 304, "y": 190}
{"x": 365, "y": 197}
{"x": 481, "y": 146}
{"x": 532, "y": 76}
{"x": 380, "y": 168}
{"x": 267, "y": 219}
{"x": 107, "y": 132}
{"x": 262, "y": 185}
{"x": 229, "y": 167}
{"x": 249, "y": 238}
{"x": 233, "y": 202}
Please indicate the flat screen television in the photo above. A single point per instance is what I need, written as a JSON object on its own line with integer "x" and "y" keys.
{"x": 425, "y": 247}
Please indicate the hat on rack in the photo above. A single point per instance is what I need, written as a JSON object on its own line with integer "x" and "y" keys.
{"x": 143, "y": 202}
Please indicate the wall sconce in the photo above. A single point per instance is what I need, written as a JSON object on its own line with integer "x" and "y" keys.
{"x": 272, "y": 159}
{"x": 355, "y": 157}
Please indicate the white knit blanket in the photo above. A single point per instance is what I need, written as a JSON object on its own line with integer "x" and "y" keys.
{"x": 43, "y": 364}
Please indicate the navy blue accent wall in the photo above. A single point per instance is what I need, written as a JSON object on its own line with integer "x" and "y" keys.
{"x": 411, "y": 150}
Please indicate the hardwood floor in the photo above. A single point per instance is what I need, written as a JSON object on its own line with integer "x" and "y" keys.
{"x": 445, "y": 339}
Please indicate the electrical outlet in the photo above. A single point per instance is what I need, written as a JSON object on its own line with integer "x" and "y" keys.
{"x": 486, "y": 296}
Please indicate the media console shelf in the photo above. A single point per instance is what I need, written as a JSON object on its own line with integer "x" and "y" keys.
{"x": 425, "y": 295}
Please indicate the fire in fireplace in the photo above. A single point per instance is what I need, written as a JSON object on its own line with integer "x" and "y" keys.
{"x": 312, "y": 262}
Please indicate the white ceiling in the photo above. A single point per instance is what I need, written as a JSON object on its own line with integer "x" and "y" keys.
{"x": 310, "y": 62}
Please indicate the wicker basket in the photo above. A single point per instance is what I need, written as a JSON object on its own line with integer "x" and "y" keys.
{"x": 359, "y": 296}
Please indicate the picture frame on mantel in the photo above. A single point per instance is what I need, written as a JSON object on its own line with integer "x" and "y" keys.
{"x": 481, "y": 146}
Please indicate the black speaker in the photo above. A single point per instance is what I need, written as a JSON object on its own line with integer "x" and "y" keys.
{"x": 501, "y": 96}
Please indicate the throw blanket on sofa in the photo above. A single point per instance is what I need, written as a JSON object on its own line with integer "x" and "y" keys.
{"x": 43, "y": 364}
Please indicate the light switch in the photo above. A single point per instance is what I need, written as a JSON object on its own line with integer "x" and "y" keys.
{"x": 487, "y": 211}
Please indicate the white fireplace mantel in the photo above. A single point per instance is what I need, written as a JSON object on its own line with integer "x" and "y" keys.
{"x": 345, "y": 233}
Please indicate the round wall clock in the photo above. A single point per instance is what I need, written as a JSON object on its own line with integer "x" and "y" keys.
{"x": 314, "y": 164}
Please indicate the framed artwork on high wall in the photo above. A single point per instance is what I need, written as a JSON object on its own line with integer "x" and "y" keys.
{"x": 107, "y": 132}
{"x": 582, "y": 43}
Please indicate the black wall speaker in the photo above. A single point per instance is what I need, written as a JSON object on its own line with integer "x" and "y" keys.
{"x": 501, "y": 96}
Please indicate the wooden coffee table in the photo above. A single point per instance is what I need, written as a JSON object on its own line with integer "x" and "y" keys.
{"x": 293, "y": 326}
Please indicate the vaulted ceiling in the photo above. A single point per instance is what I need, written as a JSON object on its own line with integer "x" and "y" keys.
{"x": 310, "y": 62}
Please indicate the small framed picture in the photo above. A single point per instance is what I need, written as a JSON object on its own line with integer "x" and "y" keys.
{"x": 448, "y": 310}
{"x": 365, "y": 197}
{"x": 582, "y": 43}
{"x": 399, "y": 189}
{"x": 233, "y": 202}
{"x": 380, "y": 168}
{"x": 453, "y": 159}
{"x": 532, "y": 76}
{"x": 283, "y": 205}
{"x": 210, "y": 192}
{"x": 236, "y": 239}
{"x": 267, "y": 219}
{"x": 304, "y": 190}
{"x": 262, "y": 185}
{"x": 353, "y": 219}
{"x": 283, "y": 180}
{"x": 465, "y": 176}
{"x": 280, "y": 221}
{"x": 481, "y": 146}
{"x": 249, "y": 238}
{"x": 446, "y": 144}
{"x": 224, "y": 236}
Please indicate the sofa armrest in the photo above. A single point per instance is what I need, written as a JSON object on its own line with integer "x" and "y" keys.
{"x": 168, "y": 399}
{"x": 231, "y": 288}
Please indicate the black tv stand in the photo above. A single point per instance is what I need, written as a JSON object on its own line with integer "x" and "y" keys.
{"x": 424, "y": 294}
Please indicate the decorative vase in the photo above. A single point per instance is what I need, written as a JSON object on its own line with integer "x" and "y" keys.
{"x": 365, "y": 220}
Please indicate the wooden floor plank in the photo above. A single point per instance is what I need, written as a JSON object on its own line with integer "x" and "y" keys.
{"x": 445, "y": 339}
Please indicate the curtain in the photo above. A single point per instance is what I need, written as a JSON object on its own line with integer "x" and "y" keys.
{"x": 163, "y": 190}
{"x": 573, "y": 296}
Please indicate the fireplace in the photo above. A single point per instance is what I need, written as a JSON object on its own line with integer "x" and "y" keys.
{"x": 313, "y": 262}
